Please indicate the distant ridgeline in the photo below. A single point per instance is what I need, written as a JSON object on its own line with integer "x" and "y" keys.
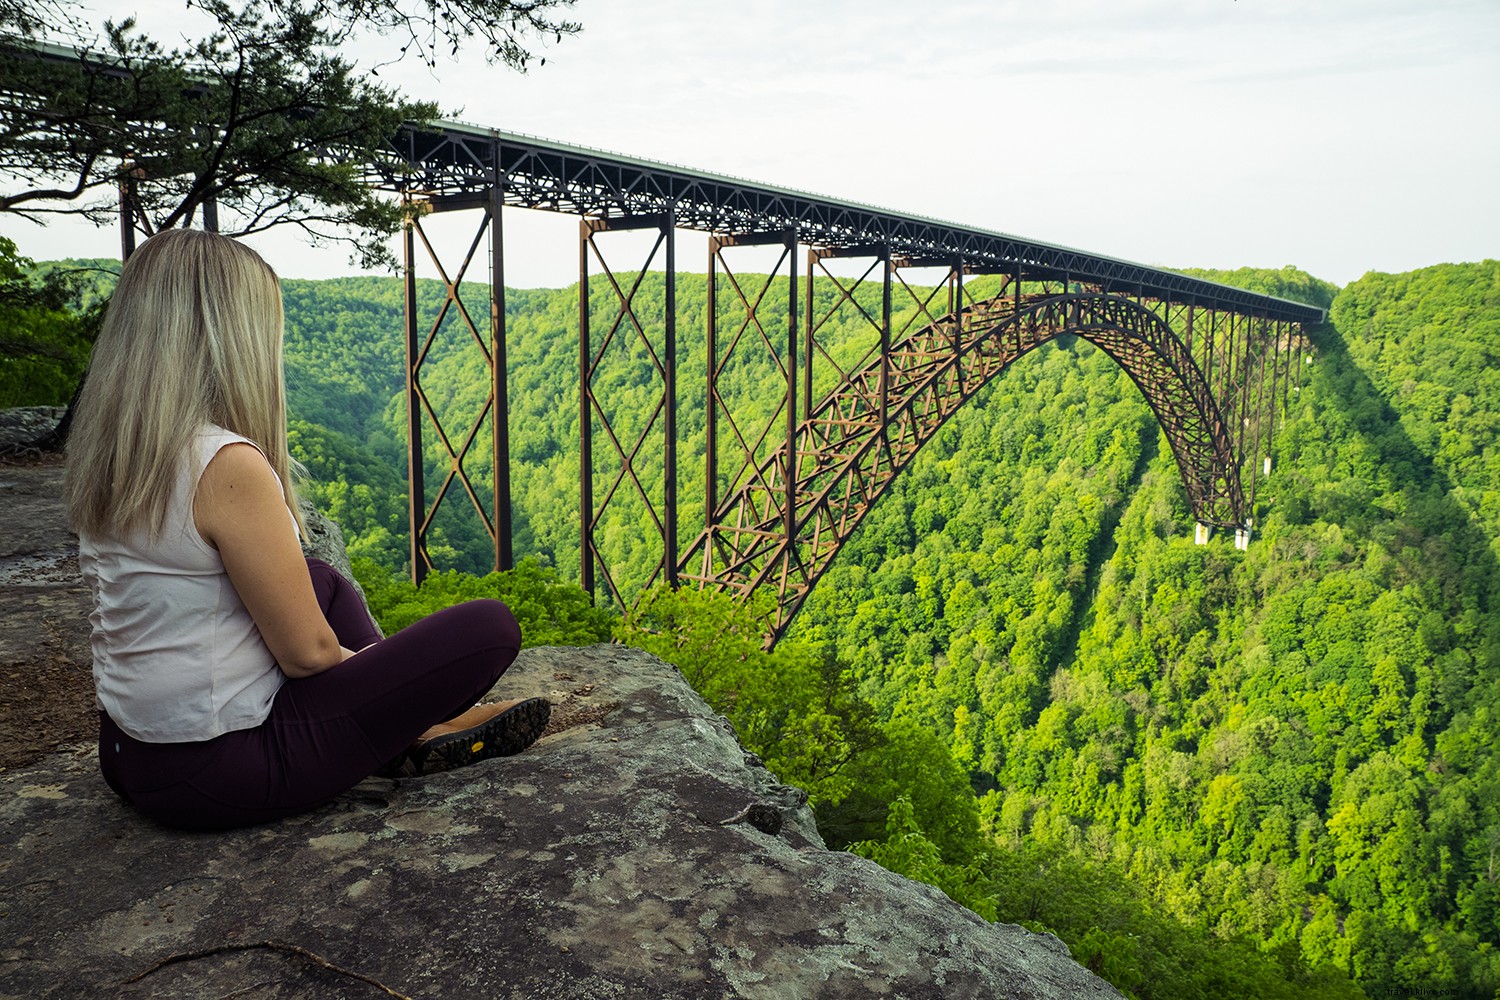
{"x": 1287, "y": 755}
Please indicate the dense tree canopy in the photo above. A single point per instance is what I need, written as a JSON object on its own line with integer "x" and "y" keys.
{"x": 1278, "y": 745}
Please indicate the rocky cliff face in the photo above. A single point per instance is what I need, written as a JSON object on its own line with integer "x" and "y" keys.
{"x": 46, "y": 684}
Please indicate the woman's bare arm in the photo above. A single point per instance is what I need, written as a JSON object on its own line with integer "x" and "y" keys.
{"x": 239, "y": 510}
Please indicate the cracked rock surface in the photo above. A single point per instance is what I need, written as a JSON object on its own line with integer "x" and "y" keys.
{"x": 615, "y": 858}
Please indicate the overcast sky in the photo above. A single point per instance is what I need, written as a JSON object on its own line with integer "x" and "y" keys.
{"x": 1339, "y": 136}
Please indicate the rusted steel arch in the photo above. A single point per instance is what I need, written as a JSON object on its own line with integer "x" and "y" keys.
{"x": 1178, "y": 393}
{"x": 848, "y": 452}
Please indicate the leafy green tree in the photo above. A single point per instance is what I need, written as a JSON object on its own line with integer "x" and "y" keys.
{"x": 44, "y": 336}
{"x": 550, "y": 612}
{"x": 912, "y": 763}
{"x": 792, "y": 706}
{"x": 906, "y": 850}
{"x": 262, "y": 122}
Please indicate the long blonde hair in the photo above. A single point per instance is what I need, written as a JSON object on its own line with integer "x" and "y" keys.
{"x": 192, "y": 336}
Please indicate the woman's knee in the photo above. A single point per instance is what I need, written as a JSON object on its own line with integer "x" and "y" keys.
{"x": 487, "y": 621}
{"x": 484, "y": 623}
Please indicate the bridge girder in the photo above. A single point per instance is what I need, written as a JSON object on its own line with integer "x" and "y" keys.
{"x": 782, "y": 496}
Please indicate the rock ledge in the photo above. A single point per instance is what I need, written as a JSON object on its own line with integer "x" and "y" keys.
{"x": 614, "y": 859}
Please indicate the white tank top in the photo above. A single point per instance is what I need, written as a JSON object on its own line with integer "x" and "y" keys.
{"x": 177, "y": 658}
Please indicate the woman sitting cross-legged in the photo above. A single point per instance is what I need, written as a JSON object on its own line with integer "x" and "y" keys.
{"x": 237, "y": 681}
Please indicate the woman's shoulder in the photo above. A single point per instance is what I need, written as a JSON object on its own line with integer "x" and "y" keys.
{"x": 222, "y": 455}
{"x": 239, "y": 489}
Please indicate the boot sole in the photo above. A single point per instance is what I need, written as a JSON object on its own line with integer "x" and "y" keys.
{"x": 505, "y": 735}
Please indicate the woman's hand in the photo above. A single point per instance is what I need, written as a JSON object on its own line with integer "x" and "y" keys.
{"x": 239, "y": 510}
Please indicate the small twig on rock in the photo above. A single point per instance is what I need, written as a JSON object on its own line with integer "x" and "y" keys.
{"x": 738, "y": 817}
{"x": 290, "y": 949}
{"x": 765, "y": 818}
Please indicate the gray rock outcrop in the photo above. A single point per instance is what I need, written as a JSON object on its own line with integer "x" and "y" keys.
{"x": 616, "y": 858}
{"x": 26, "y": 429}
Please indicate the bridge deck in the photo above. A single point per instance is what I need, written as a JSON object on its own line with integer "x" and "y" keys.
{"x": 455, "y": 165}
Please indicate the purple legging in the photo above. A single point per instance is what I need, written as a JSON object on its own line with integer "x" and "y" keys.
{"x": 327, "y": 732}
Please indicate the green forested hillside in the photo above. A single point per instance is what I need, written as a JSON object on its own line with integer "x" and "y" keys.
{"x": 1212, "y": 772}
{"x": 1430, "y": 341}
{"x": 1295, "y": 743}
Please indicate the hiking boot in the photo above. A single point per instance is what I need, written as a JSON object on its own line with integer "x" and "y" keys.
{"x": 484, "y": 731}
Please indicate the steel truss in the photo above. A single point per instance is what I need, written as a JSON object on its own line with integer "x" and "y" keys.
{"x": 629, "y": 334}
{"x": 788, "y": 479}
{"x": 782, "y": 497}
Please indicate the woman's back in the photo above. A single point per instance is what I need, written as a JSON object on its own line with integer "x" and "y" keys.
{"x": 176, "y": 655}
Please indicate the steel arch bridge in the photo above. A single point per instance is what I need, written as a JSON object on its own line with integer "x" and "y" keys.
{"x": 779, "y": 497}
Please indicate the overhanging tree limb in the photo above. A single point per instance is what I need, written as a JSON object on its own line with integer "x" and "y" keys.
{"x": 503, "y": 29}
{"x": 264, "y": 117}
